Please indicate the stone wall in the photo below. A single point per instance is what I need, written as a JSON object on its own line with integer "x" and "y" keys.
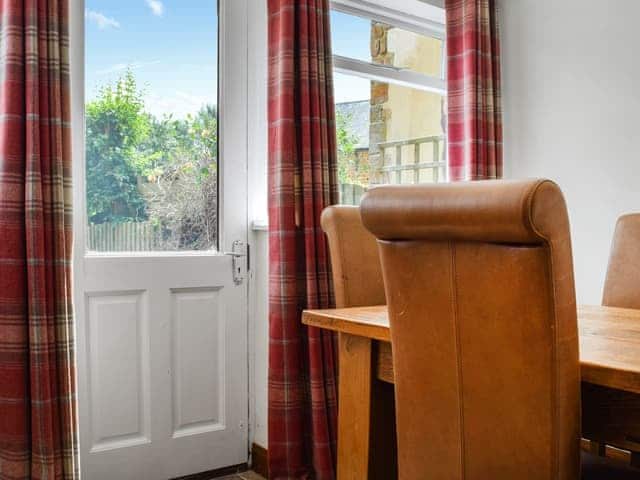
{"x": 380, "y": 115}
{"x": 396, "y": 112}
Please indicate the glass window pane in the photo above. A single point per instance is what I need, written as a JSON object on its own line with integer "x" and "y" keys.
{"x": 381, "y": 44}
{"x": 151, "y": 125}
{"x": 387, "y": 134}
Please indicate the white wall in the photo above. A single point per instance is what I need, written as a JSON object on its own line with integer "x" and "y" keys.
{"x": 259, "y": 337}
{"x": 571, "y": 86}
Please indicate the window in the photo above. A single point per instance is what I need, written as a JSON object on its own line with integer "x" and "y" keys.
{"x": 390, "y": 98}
{"x": 151, "y": 80}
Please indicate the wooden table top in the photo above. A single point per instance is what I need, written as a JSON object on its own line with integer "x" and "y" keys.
{"x": 609, "y": 338}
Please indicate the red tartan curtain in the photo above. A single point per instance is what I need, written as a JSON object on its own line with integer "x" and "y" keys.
{"x": 38, "y": 437}
{"x": 302, "y": 181}
{"x": 474, "y": 132}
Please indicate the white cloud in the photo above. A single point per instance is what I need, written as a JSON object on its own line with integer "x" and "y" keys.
{"x": 118, "y": 67}
{"x": 156, "y": 6}
{"x": 196, "y": 101}
{"x": 177, "y": 103}
{"x": 102, "y": 20}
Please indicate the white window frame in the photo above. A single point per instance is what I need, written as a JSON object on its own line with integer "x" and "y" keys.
{"x": 233, "y": 116}
{"x": 418, "y": 17}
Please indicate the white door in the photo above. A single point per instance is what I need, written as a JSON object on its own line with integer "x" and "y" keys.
{"x": 161, "y": 320}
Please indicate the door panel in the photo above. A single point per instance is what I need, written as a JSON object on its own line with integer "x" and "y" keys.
{"x": 118, "y": 362}
{"x": 197, "y": 324}
{"x": 165, "y": 348}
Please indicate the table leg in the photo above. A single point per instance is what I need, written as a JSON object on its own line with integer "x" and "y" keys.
{"x": 354, "y": 407}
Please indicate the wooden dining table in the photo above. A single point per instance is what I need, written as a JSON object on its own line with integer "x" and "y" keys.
{"x": 609, "y": 357}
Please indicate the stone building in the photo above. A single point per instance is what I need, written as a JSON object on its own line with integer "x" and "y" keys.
{"x": 405, "y": 125}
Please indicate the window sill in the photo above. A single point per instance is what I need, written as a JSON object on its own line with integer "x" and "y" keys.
{"x": 260, "y": 225}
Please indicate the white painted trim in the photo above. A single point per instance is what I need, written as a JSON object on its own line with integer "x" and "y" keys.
{"x": 260, "y": 225}
{"x": 387, "y": 74}
{"x": 413, "y": 15}
{"x": 76, "y": 51}
{"x": 257, "y": 200}
{"x": 76, "y": 65}
{"x": 258, "y": 79}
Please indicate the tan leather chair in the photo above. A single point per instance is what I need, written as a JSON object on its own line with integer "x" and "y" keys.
{"x": 357, "y": 275}
{"x": 622, "y": 284}
{"x": 612, "y": 417}
{"x": 480, "y": 289}
{"x": 357, "y": 280}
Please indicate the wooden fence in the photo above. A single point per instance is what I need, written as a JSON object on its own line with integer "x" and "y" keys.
{"x": 351, "y": 194}
{"x": 427, "y": 162}
{"x": 123, "y": 237}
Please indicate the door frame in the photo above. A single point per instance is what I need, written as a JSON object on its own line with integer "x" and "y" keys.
{"x": 233, "y": 104}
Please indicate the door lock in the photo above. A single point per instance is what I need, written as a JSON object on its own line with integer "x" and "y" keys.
{"x": 238, "y": 250}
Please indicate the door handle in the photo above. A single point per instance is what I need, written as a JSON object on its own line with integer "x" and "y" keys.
{"x": 236, "y": 254}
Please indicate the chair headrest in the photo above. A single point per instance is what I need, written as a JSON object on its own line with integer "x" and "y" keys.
{"x": 494, "y": 211}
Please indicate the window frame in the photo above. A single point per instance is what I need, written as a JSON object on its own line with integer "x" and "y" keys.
{"x": 416, "y": 16}
{"x": 233, "y": 103}
{"x": 401, "y": 19}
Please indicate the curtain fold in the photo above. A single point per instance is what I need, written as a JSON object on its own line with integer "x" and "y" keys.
{"x": 474, "y": 131}
{"x": 302, "y": 182}
{"x": 38, "y": 432}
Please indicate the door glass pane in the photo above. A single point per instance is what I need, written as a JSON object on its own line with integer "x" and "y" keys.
{"x": 151, "y": 111}
{"x": 378, "y": 43}
{"x": 387, "y": 134}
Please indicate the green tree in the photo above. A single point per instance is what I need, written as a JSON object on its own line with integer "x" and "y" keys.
{"x": 116, "y": 124}
{"x": 182, "y": 192}
{"x": 143, "y": 168}
{"x": 351, "y": 170}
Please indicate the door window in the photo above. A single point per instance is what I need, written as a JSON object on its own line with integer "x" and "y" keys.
{"x": 151, "y": 116}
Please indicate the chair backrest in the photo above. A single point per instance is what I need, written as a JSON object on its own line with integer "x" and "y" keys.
{"x": 622, "y": 284}
{"x": 355, "y": 263}
{"x": 479, "y": 284}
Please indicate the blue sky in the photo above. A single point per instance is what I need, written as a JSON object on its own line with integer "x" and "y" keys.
{"x": 350, "y": 38}
{"x": 171, "y": 46}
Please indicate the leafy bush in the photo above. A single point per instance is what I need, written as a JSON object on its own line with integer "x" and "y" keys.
{"x": 353, "y": 168}
{"x": 141, "y": 168}
{"x": 182, "y": 183}
{"x": 115, "y": 127}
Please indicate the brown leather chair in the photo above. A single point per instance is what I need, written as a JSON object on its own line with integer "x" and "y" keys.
{"x": 357, "y": 281}
{"x": 622, "y": 285}
{"x": 479, "y": 284}
{"x": 612, "y": 417}
{"x": 357, "y": 275}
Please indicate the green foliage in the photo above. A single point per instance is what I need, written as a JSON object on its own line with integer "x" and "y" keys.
{"x": 164, "y": 170}
{"x": 115, "y": 125}
{"x": 351, "y": 168}
{"x": 141, "y": 168}
{"x": 182, "y": 189}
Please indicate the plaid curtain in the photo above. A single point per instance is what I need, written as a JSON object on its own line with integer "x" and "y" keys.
{"x": 474, "y": 131}
{"x": 38, "y": 437}
{"x": 302, "y": 181}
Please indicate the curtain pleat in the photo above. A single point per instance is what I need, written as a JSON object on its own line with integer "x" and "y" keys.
{"x": 302, "y": 182}
{"x": 38, "y": 431}
{"x": 474, "y": 130}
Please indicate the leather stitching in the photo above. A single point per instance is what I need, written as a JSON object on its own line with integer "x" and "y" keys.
{"x": 555, "y": 457}
{"x": 454, "y": 305}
